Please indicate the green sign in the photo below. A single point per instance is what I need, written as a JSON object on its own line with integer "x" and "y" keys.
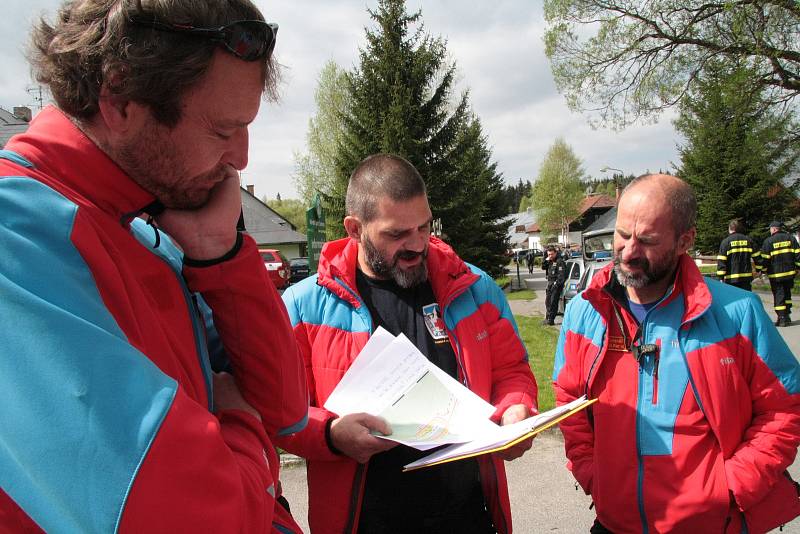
{"x": 315, "y": 219}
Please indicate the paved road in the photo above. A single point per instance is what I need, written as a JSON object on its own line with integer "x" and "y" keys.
{"x": 543, "y": 494}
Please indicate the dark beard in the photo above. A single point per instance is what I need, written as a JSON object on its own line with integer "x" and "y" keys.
{"x": 386, "y": 270}
{"x": 650, "y": 274}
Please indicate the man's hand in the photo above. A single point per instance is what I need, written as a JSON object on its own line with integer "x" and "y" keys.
{"x": 210, "y": 231}
{"x": 514, "y": 413}
{"x": 228, "y": 397}
{"x": 351, "y": 435}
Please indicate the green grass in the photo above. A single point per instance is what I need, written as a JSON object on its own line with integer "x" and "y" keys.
{"x": 522, "y": 294}
{"x": 541, "y": 344}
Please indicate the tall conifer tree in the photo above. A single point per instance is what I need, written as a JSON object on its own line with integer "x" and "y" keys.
{"x": 401, "y": 101}
{"x": 738, "y": 156}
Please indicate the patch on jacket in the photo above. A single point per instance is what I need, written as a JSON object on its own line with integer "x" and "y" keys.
{"x": 617, "y": 343}
{"x": 434, "y": 322}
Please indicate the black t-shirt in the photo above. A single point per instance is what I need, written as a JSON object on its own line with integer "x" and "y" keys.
{"x": 444, "y": 498}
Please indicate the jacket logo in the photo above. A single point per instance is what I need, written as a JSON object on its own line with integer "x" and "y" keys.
{"x": 727, "y": 361}
{"x": 434, "y": 322}
{"x": 483, "y": 334}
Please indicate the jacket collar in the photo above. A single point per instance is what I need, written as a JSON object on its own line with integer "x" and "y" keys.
{"x": 448, "y": 273}
{"x": 67, "y": 160}
{"x": 689, "y": 282}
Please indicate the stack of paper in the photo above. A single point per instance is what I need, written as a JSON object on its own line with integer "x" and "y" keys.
{"x": 425, "y": 407}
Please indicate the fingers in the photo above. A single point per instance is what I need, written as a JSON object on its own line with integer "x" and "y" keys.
{"x": 515, "y": 413}
{"x": 351, "y": 435}
{"x": 512, "y": 453}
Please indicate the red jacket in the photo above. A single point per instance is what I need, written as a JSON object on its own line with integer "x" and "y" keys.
{"x": 332, "y": 324}
{"x": 105, "y": 386}
{"x": 673, "y": 438}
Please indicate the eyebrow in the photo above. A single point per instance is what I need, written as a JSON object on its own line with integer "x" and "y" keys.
{"x": 391, "y": 230}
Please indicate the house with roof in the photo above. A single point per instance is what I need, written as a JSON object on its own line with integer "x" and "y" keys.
{"x": 518, "y": 237}
{"x": 268, "y": 228}
{"x": 13, "y": 123}
{"x": 592, "y": 208}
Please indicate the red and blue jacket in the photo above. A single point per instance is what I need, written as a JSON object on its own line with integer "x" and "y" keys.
{"x": 332, "y": 324}
{"x": 695, "y": 436}
{"x": 105, "y": 385}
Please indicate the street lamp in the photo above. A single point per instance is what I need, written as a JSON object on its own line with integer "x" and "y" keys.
{"x": 606, "y": 168}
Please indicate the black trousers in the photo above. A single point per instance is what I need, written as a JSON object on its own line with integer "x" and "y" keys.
{"x": 782, "y": 295}
{"x": 551, "y": 300}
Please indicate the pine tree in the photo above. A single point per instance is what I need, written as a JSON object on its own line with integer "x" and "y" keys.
{"x": 401, "y": 101}
{"x": 738, "y": 156}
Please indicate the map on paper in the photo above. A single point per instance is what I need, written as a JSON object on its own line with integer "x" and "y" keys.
{"x": 424, "y": 405}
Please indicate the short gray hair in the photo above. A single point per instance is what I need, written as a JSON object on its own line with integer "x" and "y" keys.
{"x": 378, "y": 176}
{"x": 679, "y": 195}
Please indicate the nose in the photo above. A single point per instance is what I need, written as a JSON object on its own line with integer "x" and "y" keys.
{"x": 237, "y": 150}
{"x": 630, "y": 249}
{"x": 418, "y": 241}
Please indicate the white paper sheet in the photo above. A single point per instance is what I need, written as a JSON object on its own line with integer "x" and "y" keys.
{"x": 425, "y": 407}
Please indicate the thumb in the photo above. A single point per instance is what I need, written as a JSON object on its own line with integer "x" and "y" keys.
{"x": 374, "y": 422}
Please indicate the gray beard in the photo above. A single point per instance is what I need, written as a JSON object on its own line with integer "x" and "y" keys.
{"x": 383, "y": 269}
{"x": 650, "y": 274}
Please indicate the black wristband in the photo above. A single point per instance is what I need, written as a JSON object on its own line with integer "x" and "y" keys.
{"x": 328, "y": 439}
{"x": 191, "y": 262}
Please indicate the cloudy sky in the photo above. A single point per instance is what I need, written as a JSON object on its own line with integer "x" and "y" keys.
{"x": 497, "y": 47}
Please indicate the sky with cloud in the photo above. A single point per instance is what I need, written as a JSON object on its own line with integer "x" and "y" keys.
{"x": 497, "y": 47}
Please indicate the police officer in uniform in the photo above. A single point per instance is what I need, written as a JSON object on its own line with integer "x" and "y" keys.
{"x": 556, "y": 274}
{"x": 780, "y": 255}
{"x": 738, "y": 256}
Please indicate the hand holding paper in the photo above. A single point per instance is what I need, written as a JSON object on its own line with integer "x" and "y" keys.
{"x": 351, "y": 434}
{"x": 514, "y": 414}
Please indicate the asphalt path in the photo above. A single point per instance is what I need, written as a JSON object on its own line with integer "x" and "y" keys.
{"x": 543, "y": 494}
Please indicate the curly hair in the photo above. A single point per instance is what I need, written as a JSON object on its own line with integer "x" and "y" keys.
{"x": 94, "y": 42}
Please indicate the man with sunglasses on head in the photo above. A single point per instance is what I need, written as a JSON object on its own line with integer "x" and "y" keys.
{"x": 111, "y": 417}
{"x": 698, "y": 412}
{"x": 391, "y": 272}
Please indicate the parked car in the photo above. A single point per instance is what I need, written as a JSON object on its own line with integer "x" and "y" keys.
{"x": 574, "y": 272}
{"x": 298, "y": 269}
{"x": 277, "y": 267}
{"x": 597, "y": 246}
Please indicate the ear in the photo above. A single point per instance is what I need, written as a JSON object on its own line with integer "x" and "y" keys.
{"x": 353, "y": 227}
{"x": 120, "y": 114}
{"x": 686, "y": 240}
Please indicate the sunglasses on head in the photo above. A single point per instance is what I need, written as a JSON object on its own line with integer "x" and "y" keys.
{"x": 246, "y": 39}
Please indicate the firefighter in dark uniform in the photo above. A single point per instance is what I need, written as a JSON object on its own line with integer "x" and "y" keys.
{"x": 738, "y": 257}
{"x": 556, "y": 274}
{"x": 780, "y": 257}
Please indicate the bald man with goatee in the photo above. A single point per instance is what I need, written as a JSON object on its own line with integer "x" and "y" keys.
{"x": 698, "y": 412}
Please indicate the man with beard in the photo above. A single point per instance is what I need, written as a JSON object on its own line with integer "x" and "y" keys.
{"x": 391, "y": 272}
{"x": 698, "y": 412}
{"x": 108, "y": 418}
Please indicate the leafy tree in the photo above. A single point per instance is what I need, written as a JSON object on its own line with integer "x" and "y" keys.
{"x": 558, "y": 190}
{"x": 292, "y": 210}
{"x": 316, "y": 169}
{"x": 626, "y": 60}
{"x": 739, "y": 156}
{"x": 400, "y": 101}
